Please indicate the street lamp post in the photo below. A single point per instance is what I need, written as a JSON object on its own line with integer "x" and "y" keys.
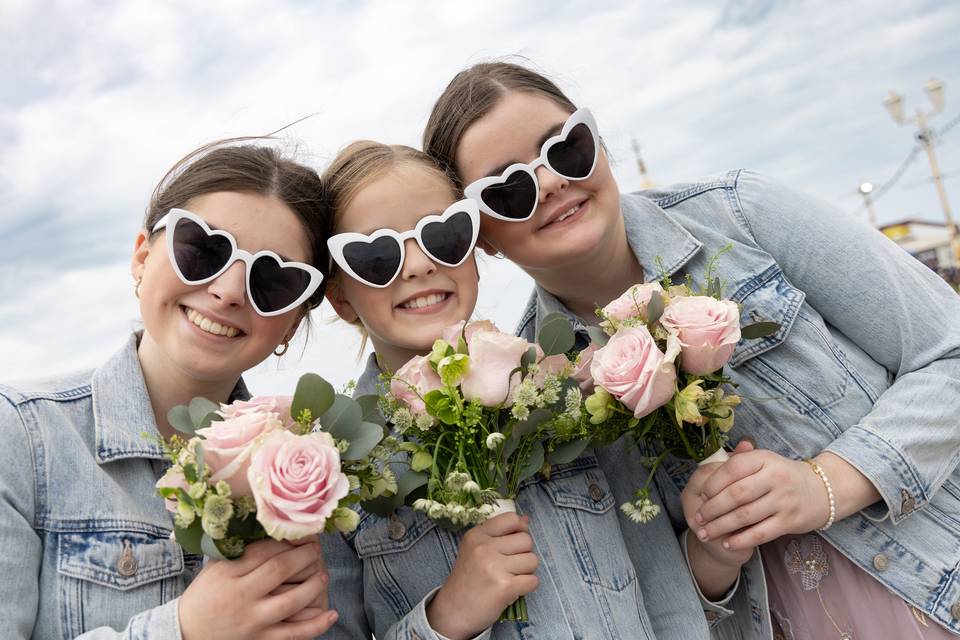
{"x": 925, "y": 136}
{"x": 865, "y": 189}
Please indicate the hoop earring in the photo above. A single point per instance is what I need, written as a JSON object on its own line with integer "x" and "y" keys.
{"x": 282, "y": 349}
{"x": 136, "y": 287}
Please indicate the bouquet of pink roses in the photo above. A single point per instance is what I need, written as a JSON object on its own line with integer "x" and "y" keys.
{"x": 481, "y": 413}
{"x": 655, "y": 371}
{"x": 280, "y": 467}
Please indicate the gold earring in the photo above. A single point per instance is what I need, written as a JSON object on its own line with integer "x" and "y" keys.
{"x": 282, "y": 349}
{"x": 136, "y": 287}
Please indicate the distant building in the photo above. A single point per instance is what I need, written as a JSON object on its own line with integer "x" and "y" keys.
{"x": 928, "y": 242}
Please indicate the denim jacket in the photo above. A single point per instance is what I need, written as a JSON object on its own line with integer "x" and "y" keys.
{"x": 87, "y": 548}
{"x": 866, "y": 365}
{"x": 591, "y": 586}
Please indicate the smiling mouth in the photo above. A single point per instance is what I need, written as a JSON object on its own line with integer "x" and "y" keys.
{"x": 572, "y": 211}
{"x": 425, "y": 302}
{"x": 210, "y": 326}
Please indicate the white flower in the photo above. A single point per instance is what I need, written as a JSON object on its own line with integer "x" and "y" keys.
{"x": 494, "y": 440}
{"x": 641, "y": 510}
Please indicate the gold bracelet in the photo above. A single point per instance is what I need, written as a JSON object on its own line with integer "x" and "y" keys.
{"x": 826, "y": 483}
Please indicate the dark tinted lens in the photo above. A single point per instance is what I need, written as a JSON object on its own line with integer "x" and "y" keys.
{"x": 198, "y": 255}
{"x": 376, "y": 262}
{"x": 273, "y": 286}
{"x": 515, "y": 198}
{"x": 573, "y": 158}
{"x": 449, "y": 241}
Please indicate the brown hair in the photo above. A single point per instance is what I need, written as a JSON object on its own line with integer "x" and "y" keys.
{"x": 225, "y": 165}
{"x": 472, "y": 94}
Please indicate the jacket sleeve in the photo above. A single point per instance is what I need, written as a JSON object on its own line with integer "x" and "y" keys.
{"x": 897, "y": 311}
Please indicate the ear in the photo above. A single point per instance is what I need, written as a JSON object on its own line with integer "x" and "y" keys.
{"x": 335, "y": 297}
{"x": 141, "y": 249}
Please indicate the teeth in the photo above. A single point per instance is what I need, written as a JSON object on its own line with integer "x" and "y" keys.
{"x": 209, "y": 325}
{"x": 424, "y": 301}
{"x": 569, "y": 213}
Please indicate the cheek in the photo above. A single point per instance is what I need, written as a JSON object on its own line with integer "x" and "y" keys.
{"x": 504, "y": 235}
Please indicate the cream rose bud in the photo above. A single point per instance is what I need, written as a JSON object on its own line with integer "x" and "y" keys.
{"x": 493, "y": 356}
{"x": 279, "y": 405}
{"x": 581, "y": 371}
{"x": 412, "y": 382}
{"x": 633, "y": 302}
{"x": 708, "y": 330}
{"x": 634, "y": 370}
{"x": 229, "y": 443}
{"x": 297, "y": 483}
{"x": 174, "y": 479}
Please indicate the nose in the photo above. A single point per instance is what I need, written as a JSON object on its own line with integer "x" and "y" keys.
{"x": 230, "y": 287}
{"x": 550, "y": 183}
{"x": 416, "y": 264}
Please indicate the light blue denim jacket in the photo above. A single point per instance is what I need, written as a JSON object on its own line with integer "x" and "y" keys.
{"x": 866, "y": 365}
{"x": 86, "y": 541}
{"x": 591, "y": 584}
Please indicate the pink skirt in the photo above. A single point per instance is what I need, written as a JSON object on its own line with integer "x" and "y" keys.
{"x": 816, "y": 593}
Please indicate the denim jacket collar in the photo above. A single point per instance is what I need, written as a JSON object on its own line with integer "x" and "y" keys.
{"x": 660, "y": 244}
{"x": 122, "y": 413}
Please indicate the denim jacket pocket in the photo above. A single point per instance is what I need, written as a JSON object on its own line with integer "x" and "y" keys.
{"x": 584, "y": 505}
{"x": 766, "y": 297}
{"x": 107, "y": 577}
{"x": 404, "y": 557}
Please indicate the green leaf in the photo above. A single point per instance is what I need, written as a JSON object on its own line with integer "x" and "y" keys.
{"x": 208, "y": 419}
{"x": 654, "y": 307}
{"x": 201, "y": 470}
{"x": 568, "y": 451}
{"x": 189, "y": 538}
{"x": 410, "y": 482}
{"x": 759, "y": 330}
{"x": 533, "y": 463}
{"x": 370, "y": 406}
{"x": 366, "y": 436}
{"x": 209, "y": 548}
{"x": 342, "y": 419}
{"x": 528, "y": 359}
{"x": 381, "y": 506}
{"x": 179, "y": 419}
{"x": 199, "y": 409}
{"x": 598, "y": 336}
{"x": 556, "y": 334}
{"x": 526, "y": 427}
{"x": 313, "y": 393}
{"x": 421, "y": 461}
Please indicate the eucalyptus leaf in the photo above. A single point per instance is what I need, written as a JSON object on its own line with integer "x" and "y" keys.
{"x": 370, "y": 406}
{"x": 189, "y": 538}
{"x": 200, "y": 462}
{"x": 209, "y": 548}
{"x": 313, "y": 393}
{"x": 342, "y": 419}
{"x": 199, "y": 409}
{"x": 382, "y": 506}
{"x": 528, "y": 359}
{"x": 556, "y": 334}
{"x": 526, "y": 427}
{"x": 410, "y": 482}
{"x": 533, "y": 462}
{"x": 179, "y": 419}
{"x": 759, "y": 330}
{"x": 568, "y": 451}
{"x": 598, "y": 336}
{"x": 366, "y": 435}
{"x": 654, "y": 307}
{"x": 208, "y": 419}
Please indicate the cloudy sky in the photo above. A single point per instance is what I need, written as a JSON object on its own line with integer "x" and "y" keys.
{"x": 98, "y": 99}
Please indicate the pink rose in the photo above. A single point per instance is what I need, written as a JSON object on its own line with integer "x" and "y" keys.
{"x": 493, "y": 355}
{"x": 277, "y": 404}
{"x": 297, "y": 483}
{"x": 229, "y": 443}
{"x": 452, "y": 333}
{"x": 412, "y": 382}
{"x": 634, "y": 370}
{"x": 555, "y": 365}
{"x": 581, "y": 371}
{"x": 633, "y": 302}
{"x": 172, "y": 478}
{"x": 708, "y": 330}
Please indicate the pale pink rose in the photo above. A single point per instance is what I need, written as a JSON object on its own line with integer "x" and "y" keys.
{"x": 172, "y": 478}
{"x": 452, "y": 333}
{"x": 412, "y": 382}
{"x": 493, "y": 355}
{"x": 554, "y": 365}
{"x": 229, "y": 443}
{"x": 634, "y": 370}
{"x": 633, "y": 302}
{"x": 277, "y": 404}
{"x": 581, "y": 371}
{"x": 708, "y": 330}
{"x": 297, "y": 483}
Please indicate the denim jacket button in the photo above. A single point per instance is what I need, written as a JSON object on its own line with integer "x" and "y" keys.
{"x": 955, "y": 610}
{"x": 908, "y": 504}
{"x": 396, "y": 529}
{"x": 881, "y": 562}
{"x": 127, "y": 564}
{"x": 596, "y": 493}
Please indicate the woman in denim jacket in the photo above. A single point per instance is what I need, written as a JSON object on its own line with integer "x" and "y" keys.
{"x": 862, "y": 377}
{"x": 86, "y": 539}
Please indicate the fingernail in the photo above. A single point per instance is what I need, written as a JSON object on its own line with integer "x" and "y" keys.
{"x": 325, "y": 578}
{"x": 702, "y": 534}
{"x": 698, "y": 518}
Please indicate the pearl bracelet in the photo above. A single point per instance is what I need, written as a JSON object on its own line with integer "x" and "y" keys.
{"x": 826, "y": 483}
